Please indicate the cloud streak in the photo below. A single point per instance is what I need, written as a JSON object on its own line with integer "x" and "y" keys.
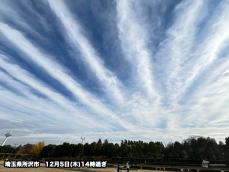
{"x": 133, "y": 39}
{"x": 57, "y": 72}
{"x": 56, "y": 84}
{"x": 75, "y": 37}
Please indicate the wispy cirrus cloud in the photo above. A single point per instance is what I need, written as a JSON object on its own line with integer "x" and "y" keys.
{"x": 58, "y": 105}
{"x": 134, "y": 43}
{"x": 56, "y": 71}
{"x": 56, "y": 84}
{"x": 75, "y": 37}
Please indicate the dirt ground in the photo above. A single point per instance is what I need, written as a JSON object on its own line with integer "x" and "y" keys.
{"x": 2, "y": 169}
{"x": 43, "y": 169}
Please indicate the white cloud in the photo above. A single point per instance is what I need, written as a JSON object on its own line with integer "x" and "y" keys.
{"x": 58, "y": 72}
{"x": 177, "y": 46}
{"x": 190, "y": 64}
{"x": 75, "y": 37}
{"x": 134, "y": 41}
{"x": 61, "y": 103}
{"x": 209, "y": 47}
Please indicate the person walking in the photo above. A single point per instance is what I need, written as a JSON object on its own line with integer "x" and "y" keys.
{"x": 127, "y": 166}
{"x": 118, "y": 168}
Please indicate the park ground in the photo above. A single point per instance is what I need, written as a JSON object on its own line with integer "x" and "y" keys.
{"x": 43, "y": 169}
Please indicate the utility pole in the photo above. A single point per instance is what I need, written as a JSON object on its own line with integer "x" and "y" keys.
{"x": 7, "y": 135}
{"x": 82, "y": 140}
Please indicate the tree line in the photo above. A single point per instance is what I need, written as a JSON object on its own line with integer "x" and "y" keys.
{"x": 191, "y": 149}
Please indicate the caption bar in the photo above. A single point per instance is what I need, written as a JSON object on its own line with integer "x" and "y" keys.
{"x": 55, "y": 164}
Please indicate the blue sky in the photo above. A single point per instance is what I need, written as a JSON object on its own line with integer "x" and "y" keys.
{"x": 148, "y": 70}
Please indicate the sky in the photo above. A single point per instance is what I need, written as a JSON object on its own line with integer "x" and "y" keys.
{"x": 147, "y": 70}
